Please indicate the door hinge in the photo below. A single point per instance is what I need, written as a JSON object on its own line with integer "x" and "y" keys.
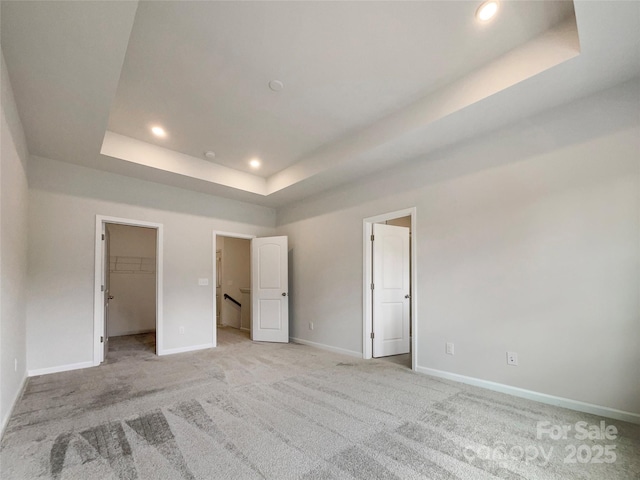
{"x": 101, "y": 339}
{"x": 372, "y": 286}
{"x": 102, "y": 288}
{"x": 372, "y": 237}
{"x": 103, "y": 236}
{"x": 372, "y": 335}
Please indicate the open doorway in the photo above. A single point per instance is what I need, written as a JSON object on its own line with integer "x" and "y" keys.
{"x": 131, "y": 288}
{"x": 252, "y": 288}
{"x": 233, "y": 287}
{"x": 128, "y": 288}
{"x": 389, "y": 321}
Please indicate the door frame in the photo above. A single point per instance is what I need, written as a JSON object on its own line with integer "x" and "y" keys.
{"x": 367, "y": 297}
{"x": 214, "y": 336}
{"x": 98, "y": 300}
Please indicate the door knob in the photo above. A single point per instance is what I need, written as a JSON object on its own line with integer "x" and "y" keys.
{"x": 284, "y": 294}
{"x": 110, "y": 297}
{"x": 407, "y": 296}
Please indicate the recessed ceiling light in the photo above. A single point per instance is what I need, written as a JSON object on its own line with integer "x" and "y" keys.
{"x": 158, "y": 131}
{"x": 210, "y": 155}
{"x": 487, "y": 10}
{"x": 254, "y": 162}
{"x": 276, "y": 85}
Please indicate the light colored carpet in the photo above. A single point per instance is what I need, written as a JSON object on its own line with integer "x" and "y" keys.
{"x": 403, "y": 359}
{"x": 249, "y": 410}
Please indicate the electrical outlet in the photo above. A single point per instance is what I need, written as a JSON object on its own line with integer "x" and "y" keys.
{"x": 310, "y": 325}
{"x": 449, "y": 349}
{"x": 203, "y": 282}
{"x": 181, "y": 330}
{"x": 512, "y": 358}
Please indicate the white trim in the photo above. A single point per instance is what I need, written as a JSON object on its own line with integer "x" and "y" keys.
{"x": 192, "y": 348}
{"x": 367, "y": 322}
{"x": 367, "y": 312}
{"x": 214, "y": 336}
{"x": 14, "y": 402}
{"x": 234, "y": 235}
{"x": 59, "y": 368}
{"x": 537, "y": 396}
{"x": 98, "y": 308}
{"x": 328, "y": 348}
{"x": 98, "y": 312}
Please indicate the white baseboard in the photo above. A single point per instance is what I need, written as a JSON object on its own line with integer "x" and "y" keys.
{"x": 14, "y": 401}
{"x": 328, "y": 348}
{"x": 60, "y": 368}
{"x": 537, "y": 396}
{"x": 192, "y": 348}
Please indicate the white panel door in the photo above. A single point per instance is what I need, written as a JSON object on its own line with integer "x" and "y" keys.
{"x": 391, "y": 290}
{"x": 270, "y": 290}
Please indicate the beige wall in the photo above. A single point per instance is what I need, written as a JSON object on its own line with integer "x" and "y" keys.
{"x": 236, "y": 274}
{"x": 400, "y": 222}
{"x": 13, "y": 251}
{"x": 528, "y": 240}
{"x": 132, "y": 280}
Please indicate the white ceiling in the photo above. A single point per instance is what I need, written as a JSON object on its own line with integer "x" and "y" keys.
{"x": 367, "y": 84}
{"x": 344, "y": 66}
